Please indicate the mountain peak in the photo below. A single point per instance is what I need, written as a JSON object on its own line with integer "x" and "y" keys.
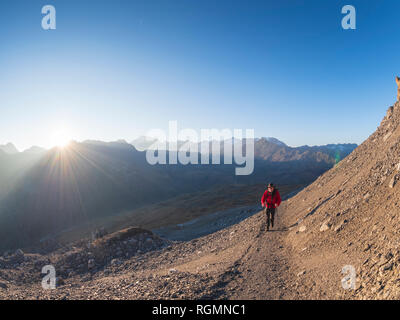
{"x": 34, "y": 150}
{"x": 9, "y": 148}
{"x": 272, "y": 140}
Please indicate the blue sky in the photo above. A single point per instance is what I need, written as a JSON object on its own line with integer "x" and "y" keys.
{"x": 116, "y": 69}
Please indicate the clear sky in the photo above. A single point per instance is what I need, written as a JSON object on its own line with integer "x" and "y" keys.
{"x": 116, "y": 69}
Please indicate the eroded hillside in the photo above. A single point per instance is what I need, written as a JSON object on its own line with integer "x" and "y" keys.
{"x": 350, "y": 217}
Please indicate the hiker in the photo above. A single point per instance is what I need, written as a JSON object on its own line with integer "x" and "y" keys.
{"x": 270, "y": 200}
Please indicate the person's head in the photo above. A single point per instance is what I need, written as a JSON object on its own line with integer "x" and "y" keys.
{"x": 270, "y": 187}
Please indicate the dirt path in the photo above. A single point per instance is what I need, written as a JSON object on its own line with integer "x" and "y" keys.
{"x": 263, "y": 271}
{"x": 243, "y": 261}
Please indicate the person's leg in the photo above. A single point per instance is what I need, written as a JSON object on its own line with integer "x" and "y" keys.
{"x": 266, "y": 215}
{"x": 272, "y": 216}
{"x": 268, "y": 218}
{"x": 265, "y": 212}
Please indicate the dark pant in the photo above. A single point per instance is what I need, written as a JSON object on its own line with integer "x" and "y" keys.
{"x": 270, "y": 213}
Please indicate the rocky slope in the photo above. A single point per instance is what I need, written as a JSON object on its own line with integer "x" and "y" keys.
{"x": 350, "y": 217}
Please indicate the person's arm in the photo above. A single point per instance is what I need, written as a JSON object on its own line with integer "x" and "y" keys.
{"x": 278, "y": 199}
{"x": 263, "y": 198}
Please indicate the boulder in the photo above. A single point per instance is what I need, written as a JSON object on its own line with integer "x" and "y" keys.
{"x": 302, "y": 229}
{"x": 303, "y": 272}
{"x": 116, "y": 262}
{"x": 19, "y": 253}
{"x": 91, "y": 264}
{"x": 325, "y": 226}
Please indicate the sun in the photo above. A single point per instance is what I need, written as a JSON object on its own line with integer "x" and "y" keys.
{"x": 61, "y": 138}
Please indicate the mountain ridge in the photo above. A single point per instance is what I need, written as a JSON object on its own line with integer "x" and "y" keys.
{"x": 349, "y": 217}
{"x": 85, "y": 181}
{"x": 9, "y": 148}
{"x": 346, "y": 220}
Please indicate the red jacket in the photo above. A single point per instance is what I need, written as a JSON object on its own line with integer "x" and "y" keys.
{"x": 272, "y": 202}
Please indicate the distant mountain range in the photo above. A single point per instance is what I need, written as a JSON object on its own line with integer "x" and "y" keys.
{"x": 277, "y": 151}
{"x": 9, "y": 148}
{"x": 143, "y": 143}
{"x": 46, "y": 191}
{"x": 272, "y": 149}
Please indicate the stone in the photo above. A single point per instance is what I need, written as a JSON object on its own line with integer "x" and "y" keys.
{"x": 388, "y": 256}
{"x": 19, "y": 253}
{"x": 389, "y": 112}
{"x": 338, "y": 228}
{"x": 91, "y": 264}
{"x": 115, "y": 262}
{"x": 388, "y": 267}
{"x": 302, "y": 229}
{"x": 393, "y": 181}
{"x": 59, "y": 281}
{"x": 398, "y": 90}
{"x": 325, "y": 226}
{"x": 387, "y": 136}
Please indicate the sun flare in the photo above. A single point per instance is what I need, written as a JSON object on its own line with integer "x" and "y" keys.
{"x": 61, "y": 138}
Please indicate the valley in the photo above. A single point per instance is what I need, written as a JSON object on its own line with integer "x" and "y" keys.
{"x": 335, "y": 223}
{"x": 93, "y": 184}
